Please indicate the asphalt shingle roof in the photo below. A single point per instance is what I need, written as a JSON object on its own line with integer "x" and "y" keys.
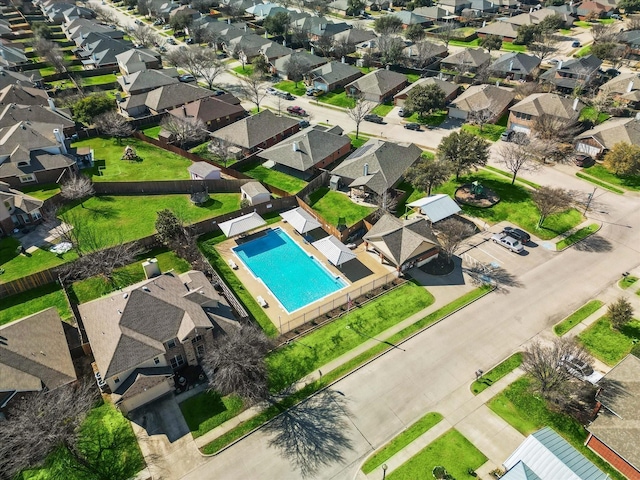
{"x": 538, "y": 104}
{"x": 378, "y": 82}
{"x": 515, "y": 62}
{"x": 255, "y": 129}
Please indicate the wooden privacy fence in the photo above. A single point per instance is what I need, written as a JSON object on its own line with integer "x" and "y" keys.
{"x": 159, "y": 187}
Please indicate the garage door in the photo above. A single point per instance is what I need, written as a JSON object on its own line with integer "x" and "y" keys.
{"x": 519, "y": 128}
{"x": 588, "y": 149}
{"x": 456, "y": 113}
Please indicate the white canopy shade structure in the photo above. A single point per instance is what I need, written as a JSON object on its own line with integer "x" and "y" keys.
{"x": 334, "y": 250}
{"x": 436, "y": 207}
{"x": 300, "y": 219}
{"x": 239, "y": 225}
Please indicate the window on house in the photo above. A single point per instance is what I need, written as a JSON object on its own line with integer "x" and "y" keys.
{"x": 116, "y": 380}
{"x": 36, "y": 215}
{"x": 177, "y": 361}
{"x": 200, "y": 350}
{"x": 156, "y": 360}
{"x": 196, "y": 339}
{"x": 171, "y": 343}
{"x": 27, "y": 178}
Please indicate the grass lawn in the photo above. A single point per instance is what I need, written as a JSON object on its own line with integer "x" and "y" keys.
{"x": 489, "y": 131}
{"x": 472, "y": 43}
{"x": 595, "y": 181}
{"x": 527, "y": 413}
{"x": 207, "y": 410}
{"x": 294, "y": 361}
{"x": 630, "y": 182}
{"x": 152, "y": 131}
{"x": 412, "y": 77}
{"x": 589, "y": 113}
{"x": 122, "y": 460}
{"x": 155, "y": 164}
{"x": 47, "y": 71}
{"x": 32, "y": 301}
{"x": 96, "y": 287}
{"x": 576, "y": 317}
{"x": 298, "y": 89}
{"x": 246, "y": 71}
{"x": 358, "y": 142}
{"x": 382, "y": 109}
{"x": 566, "y": 31}
{"x": 401, "y": 441}
{"x": 333, "y": 206}
{"x": 582, "y": 23}
{"x": 434, "y": 119}
{"x": 515, "y": 206}
{"x": 511, "y": 47}
{"x": 41, "y": 191}
{"x": 274, "y": 177}
{"x": 496, "y": 373}
{"x": 452, "y": 451}
{"x": 608, "y": 344}
{"x": 203, "y": 151}
{"x": 98, "y": 80}
{"x": 577, "y": 236}
{"x": 606, "y": 21}
{"x": 16, "y": 265}
{"x": 337, "y": 98}
{"x": 627, "y": 281}
{"x": 126, "y": 218}
{"x": 583, "y": 52}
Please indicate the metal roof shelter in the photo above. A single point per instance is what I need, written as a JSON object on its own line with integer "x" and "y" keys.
{"x": 545, "y": 455}
{"x": 334, "y": 250}
{"x": 436, "y": 207}
{"x": 239, "y": 225}
{"x": 300, "y": 219}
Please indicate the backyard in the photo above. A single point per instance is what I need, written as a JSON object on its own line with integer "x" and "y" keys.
{"x": 15, "y": 265}
{"x": 203, "y": 151}
{"x": 609, "y": 344}
{"x": 335, "y": 207}
{"x": 41, "y": 191}
{"x": 34, "y": 300}
{"x": 109, "y": 219}
{"x": 154, "y": 163}
{"x": 273, "y": 177}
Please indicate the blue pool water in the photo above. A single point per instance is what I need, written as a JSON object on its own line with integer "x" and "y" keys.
{"x": 294, "y": 277}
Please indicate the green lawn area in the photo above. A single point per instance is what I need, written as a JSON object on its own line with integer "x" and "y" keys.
{"x": 122, "y": 459}
{"x": 98, "y": 80}
{"x": 627, "y": 281}
{"x": 435, "y": 119}
{"x": 382, "y": 109}
{"x": 96, "y": 287}
{"x": 246, "y": 71}
{"x": 412, "y": 77}
{"x": 606, "y": 21}
{"x": 565, "y": 31}
{"x": 300, "y": 357}
{"x": 582, "y": 23}
{"x": 16, "y": 265}
{"x": 489, "y": 131}
{"x": 337, "y": 98}
{"x": 630, "y": 182}
{"x": 577, "y": 236}
{"x": 496, "y": 373}
{"x": 512, "y": 47}
{"x": 608, "y": 344}
{"x": 576, "y": 317}
{"x": 583, "y": 52}
{"x": 152, "y": 131}
{"x": 155, "y": 163}
{"x": 400, "y": 441}
{"x": 589, "y": 113}
{"x": 358, "y": 142}
{"x": 472, "y": 43}
{"x": 527, "y": 413}
{"x": 41, "y": 191}
{"x": 515, "y": 206}
{"x": 332, "y": 206}
{"x": 207, "y": 410}
{"x": 274, "y": 177}
{"x": 126, "y": 218}
{"x": 600, "y": 183}
{"x": 452, "y": 451}
{"x": 203, "y": 151}
{"x": 298, "y": 89}
{"x": 32, "y": 301}
{"x": 47, "y": 71}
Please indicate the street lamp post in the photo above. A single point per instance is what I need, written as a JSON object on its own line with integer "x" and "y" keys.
{"x": 384, "y": 471}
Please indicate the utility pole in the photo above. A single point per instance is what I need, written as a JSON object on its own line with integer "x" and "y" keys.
{"x": 589, "y": 200}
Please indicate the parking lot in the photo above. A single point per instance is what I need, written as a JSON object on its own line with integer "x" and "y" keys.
{"x": 481, "y": 249}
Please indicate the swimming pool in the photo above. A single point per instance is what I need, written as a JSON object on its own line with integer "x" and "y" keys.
{"x": 294, "y": 277}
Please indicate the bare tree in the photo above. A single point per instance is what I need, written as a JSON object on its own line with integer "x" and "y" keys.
{"x": 236, "y": 364}
{"x": 296, "y": 69}
{"x": 390, "y": 49}
{"x": 604, "y": 32}
{"x": 324, "y": 44}
{"x": 451, "y": 233}
{"x": 517, "y": 156}
{"x": 633, "y": 22}
{"x": 185, "y": 130}
{"x": 106, "y": 15}
{"x": 221, "y": 149}
{"x": 483, "y": 113}
{"x": 113, "y": 124}
{"x": 144, "y": 35}
{"x": 601, "y": 103}
{"x": 100, "y": 263}
{"x": 544, "y": 45}
{"x": 445, "y": 32}
{"x": 199, "y": 62}
{"x": 545, "y": 364}
{"x": 554, "y": 132}
{"x": 77, "y": 187}
{"x": 52, "y": 53}
{"x": 620, "y": 312}
{"x": 254, "y": 89}
{"x": 360, "y": 109}
{"x": 422, "y": 54}
{"x": 550, "y": 200}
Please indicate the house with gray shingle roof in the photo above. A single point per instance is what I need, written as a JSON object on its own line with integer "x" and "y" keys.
{"x": 601, "y": 138}
{"x": 411, "y": 18}
{"x": 309, "y": 60}
{"x": 523, "y": 115}
{"x": 214, "y": 112}
{"x": 259, "y": 131}
{"x": 274, "y": 50}
{"x": 624, "y": 88}
{"x": 377, "y": 166}
{"x": 505, "y": 30}
{"x": 434, "y": 13}
{"x": 515, "y": 65}
{"x": 138, "y": 59}
{"x": 572, "y": 73}
{"x": 333, "y": 75}
{"x": 13, "y": 113}
{"x": 17, "y": 209}
{"x": 309, "y": 150}
{"x": 163, "y": 98}
{"x": 467, "y": 60}
{"x": 34, "y": 355}
{"x": 377, "y": 86}
{"x": 481, "y": 97}
{"x": 402, "y": 243}
{"x": 614, "y": 433}
{"x": 203, "y": 171}
{"x": 146, "y": 80}
{"x": 450, "y": 89}
{"x": 141, "y": 335}
{"x": 12, "y": 57}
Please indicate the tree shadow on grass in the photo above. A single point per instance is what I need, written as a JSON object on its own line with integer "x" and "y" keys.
{"x": 593, "y": 243}
{"x": 312, "y": 434}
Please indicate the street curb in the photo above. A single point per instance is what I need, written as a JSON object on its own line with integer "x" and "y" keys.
{"x": 366, "y": 363}
{"x": 581, "y": 240}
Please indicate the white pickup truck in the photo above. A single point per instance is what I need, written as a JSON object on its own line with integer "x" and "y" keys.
{"x": 507, "y": 242}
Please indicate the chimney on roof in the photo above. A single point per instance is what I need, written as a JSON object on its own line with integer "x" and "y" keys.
{"x": 531, "y": 10}
{"x": 511, "y": 65}
{"x": 295, "y": 146}
{"x": 484, "y": 23}
{"x": 60, "y": 139}
{"x": 630, "y": 86}
{"x": 52, "y": 104}
{"x": 497, "y": 83}
{"x": 559, "y": 64}
{"x": 575, "y": 104}
{"x": 365, "y": 170}
{"x": 342, "y": 60}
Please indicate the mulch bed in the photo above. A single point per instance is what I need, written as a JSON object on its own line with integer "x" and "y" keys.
{"x": 488, "y": 198}
{"x": 438, "y": 266}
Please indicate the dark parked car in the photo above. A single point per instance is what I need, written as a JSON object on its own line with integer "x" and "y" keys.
{"x": 583, "y": 160}
{"x": 304, "y": 124}
{"x": 575, "y": 44}
{"x": 187, "y": 78}
{"x": 295, "y": 110}
{"x": 412, "y": 126}
{"x": 518, "y": 234}
{"x": 373, "y": 118}
{"x": 189, "y": 41}
{"x": 217, "y": 93}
